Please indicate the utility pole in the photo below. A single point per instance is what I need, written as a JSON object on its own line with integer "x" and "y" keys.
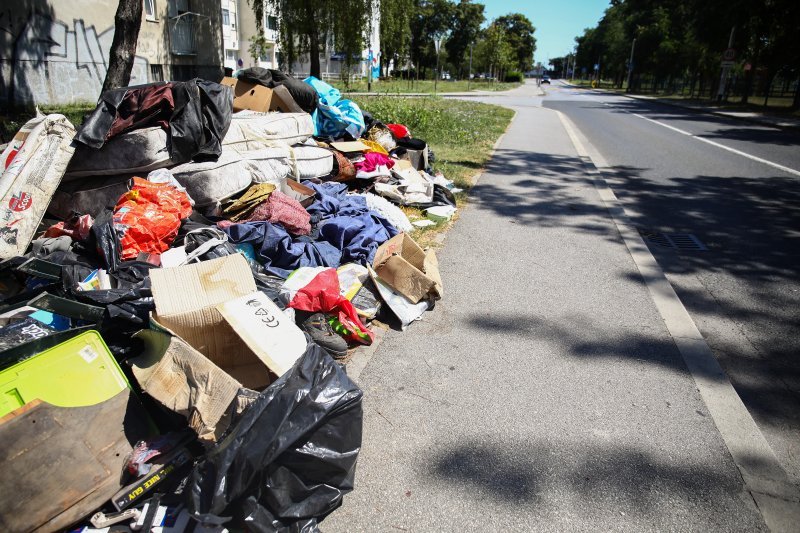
{"x": 630, "y": 66}
{"x": 469, "y": 78}
{"x": 438, "y": 42}
{"x": 723, "y": 77}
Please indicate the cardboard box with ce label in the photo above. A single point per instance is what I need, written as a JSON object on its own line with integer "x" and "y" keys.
{"x": 408, "y": 269}
{"x": 215, "y": 307}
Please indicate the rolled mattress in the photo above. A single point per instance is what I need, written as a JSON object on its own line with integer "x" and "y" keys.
{"x": 250, "y": 130}
{"x": 211, "y": 182}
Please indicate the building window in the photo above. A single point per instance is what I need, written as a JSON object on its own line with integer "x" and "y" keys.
{"x": 150, "y": 9}
{"x": 230, "y": 55}
{"x": 272, "y": 23}
{"x": 266, "y": 57}
{"x": 156, "y": 73}
{"x": 226, "y": 17}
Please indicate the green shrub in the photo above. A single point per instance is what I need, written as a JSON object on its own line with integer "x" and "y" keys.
{"x": 513, "y": 77}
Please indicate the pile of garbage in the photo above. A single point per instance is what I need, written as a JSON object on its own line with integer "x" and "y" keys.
{"x": 179, "y": 279}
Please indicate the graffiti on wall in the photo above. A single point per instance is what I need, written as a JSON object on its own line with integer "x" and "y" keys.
{"x": 48, "y": 61}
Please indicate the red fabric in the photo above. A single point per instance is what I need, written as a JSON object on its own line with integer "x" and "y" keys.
{"x": 148, "y": 217}
{"x": 147, "y": 106}
{"x": 322, "y": 295}
{"x": 282, "y": 209}
{"x": 78, "y": 228}
{"x": 399, "y": 131}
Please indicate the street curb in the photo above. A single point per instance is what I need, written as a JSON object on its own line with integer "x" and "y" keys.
{"x": 363, "y": 356}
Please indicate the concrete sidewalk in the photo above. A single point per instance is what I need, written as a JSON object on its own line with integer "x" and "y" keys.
{"x": 544, "y": 391}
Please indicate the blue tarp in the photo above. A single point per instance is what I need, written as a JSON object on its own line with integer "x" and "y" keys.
{"x": 335, "y": 115}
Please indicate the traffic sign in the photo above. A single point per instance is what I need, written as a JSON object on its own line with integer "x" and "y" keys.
{"x": 727, "y": 63}
{"x": 729, "y": 54}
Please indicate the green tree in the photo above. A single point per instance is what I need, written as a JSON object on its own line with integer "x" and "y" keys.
{"x": 519, "y": 35}
{"x": 430, "y": 18}
{"x": 304, "y": 26}
{"x": 494, "y": 52}
{"x": 395, "y": 30}
{"x": 467, "y": 21}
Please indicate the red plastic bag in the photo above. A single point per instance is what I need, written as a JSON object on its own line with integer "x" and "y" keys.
{"x": 399, "y": 131}
{"x": 147, "y": 217}
{"x": 316, "y": 290}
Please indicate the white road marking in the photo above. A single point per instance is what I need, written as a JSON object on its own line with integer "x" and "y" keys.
{"x": 764, "y": 477}
{"x": 718, "y": 145}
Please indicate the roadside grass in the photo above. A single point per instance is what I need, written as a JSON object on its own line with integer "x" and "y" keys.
{"x": 10, "y": 123}
{"x": 461, "y": 135}
{"x": 423, "y": 86}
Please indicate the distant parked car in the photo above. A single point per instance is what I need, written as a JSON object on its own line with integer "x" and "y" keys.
{"x": 546, "y": 79}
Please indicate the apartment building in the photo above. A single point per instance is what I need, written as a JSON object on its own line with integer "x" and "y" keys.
{"x": 56, "y": 51}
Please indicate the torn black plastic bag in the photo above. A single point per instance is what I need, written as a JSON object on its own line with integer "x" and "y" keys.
{"x": 291, "y": 457}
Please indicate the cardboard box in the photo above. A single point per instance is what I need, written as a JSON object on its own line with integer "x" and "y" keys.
{"x": 187, "y": 300}
{"x": 261, "y": 324}
{"x": 255, "y": 97}
{"x": 249, "y": 95}
{"x": 408, "y": 269}
{"x": 349, "y": 147}
{"x": 298, "y": 191}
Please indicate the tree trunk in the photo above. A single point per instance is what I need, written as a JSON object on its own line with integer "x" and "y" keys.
{"x": 313, "y": 53}
{"x": 127, "y": 22}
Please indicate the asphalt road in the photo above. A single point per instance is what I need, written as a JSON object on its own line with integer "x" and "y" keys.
{"x": 544, "y": 391}
{"x": 743, "y": 292}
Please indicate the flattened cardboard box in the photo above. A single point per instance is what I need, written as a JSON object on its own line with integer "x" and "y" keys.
{"x": 186, "y": 301}
{"x": 407, "y": 268}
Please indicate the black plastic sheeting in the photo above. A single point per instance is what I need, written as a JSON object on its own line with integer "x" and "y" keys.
{"x": 291, "y": 457}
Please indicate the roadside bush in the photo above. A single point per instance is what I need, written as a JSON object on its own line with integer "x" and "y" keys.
{"x": 513, "y": 77}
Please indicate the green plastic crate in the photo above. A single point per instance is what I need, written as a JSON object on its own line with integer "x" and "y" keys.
{"x": 76, "y": 373}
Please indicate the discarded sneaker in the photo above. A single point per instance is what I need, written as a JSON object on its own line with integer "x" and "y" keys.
{"x": 323, "y": 334}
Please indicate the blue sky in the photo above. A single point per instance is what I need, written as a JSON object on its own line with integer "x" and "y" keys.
{"x": 557, "y": 22}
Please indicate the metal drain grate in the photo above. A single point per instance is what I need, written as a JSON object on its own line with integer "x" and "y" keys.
{"x": 676, "y": 241}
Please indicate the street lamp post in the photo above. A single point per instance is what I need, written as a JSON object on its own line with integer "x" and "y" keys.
{"x": 438, "y": 43}
{"x": 469, "y": 78}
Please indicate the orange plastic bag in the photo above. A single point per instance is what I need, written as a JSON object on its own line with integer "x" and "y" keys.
{"x": 147, "y": 217}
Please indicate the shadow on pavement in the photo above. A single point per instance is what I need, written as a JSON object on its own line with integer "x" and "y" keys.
{"x": 749, "y": 277}
{"x": 598, "y": 477}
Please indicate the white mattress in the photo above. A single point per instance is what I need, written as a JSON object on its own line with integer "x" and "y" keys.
{"x": 209, "y": 183}
{"x": 251, "y": 130}
{"x": 135, "y": 152}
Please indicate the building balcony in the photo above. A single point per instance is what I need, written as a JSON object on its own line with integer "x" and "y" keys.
{"x": 182, "y": 34}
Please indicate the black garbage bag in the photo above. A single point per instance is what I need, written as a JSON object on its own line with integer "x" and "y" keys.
{"x": 303, "y": 93}
{"x": 291, "y": 457}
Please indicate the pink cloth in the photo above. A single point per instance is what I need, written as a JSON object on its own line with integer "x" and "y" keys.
{"x": 279, "y": 209}
{"x": 372, "y": 160}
